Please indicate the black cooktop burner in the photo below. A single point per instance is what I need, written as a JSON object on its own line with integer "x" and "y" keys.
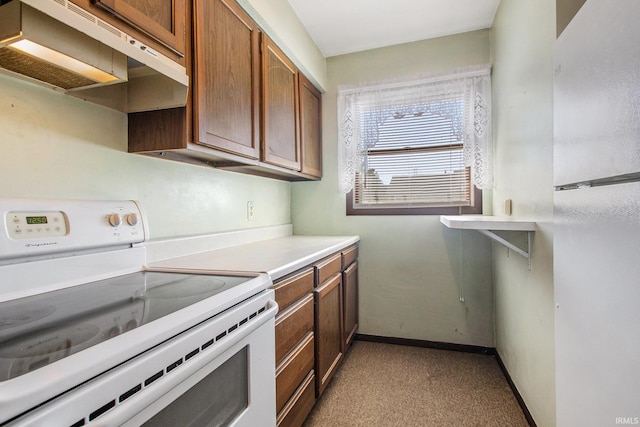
{"x": 41, "y": 329}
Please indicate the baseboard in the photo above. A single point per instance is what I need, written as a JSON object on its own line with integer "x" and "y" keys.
{"x": 516, "y": 393}
{"x": 489, "y": 351}
{"x": 428, "y": 344}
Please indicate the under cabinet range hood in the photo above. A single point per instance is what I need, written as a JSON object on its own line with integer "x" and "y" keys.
{"x": 62, "y": 46}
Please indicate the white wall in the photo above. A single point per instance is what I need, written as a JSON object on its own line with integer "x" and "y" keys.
{"x": 413, "y": 270}
{"x": 521, "y": 41}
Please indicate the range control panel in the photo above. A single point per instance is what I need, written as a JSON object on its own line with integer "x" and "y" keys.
{"x": 37, "y": 227}
{"x": 27, "y": 225}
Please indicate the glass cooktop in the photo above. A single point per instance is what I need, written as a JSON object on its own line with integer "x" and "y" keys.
{"x": 41, "y": 329}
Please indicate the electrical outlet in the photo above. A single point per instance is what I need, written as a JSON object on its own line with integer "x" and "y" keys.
{"x": 250, "y": 211}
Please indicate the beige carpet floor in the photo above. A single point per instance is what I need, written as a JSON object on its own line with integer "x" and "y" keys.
{"x": 392, "y": 385}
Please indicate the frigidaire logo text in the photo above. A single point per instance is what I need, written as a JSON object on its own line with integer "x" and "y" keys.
{"x": 37, "y": 245}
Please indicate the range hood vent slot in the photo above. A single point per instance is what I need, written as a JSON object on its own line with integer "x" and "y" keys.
{"x": 42, "y": 70}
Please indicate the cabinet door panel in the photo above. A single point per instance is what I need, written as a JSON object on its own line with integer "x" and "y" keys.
{"x": 227, "y": 78}
{"x": 310, "y": 128}
{"x": 329, "y": 343}
{"x": 162, "y": 20}
{"x": 350, "y": 283}
{"x": 281, "y": 143}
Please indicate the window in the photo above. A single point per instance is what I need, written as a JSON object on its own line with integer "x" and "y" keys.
{"x": 411, "y": 152}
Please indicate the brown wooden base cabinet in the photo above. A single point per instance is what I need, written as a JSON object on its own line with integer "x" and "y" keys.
{"x": 316, "y": 322}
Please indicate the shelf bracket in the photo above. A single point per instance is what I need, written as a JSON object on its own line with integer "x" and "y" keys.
{"x": 488, "y": 225}
{"x": 527, "y": 254}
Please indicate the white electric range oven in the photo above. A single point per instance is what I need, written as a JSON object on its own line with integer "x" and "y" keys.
{"x": 89, "y": 336}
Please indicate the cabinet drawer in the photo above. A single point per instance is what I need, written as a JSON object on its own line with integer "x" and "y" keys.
{"x": 297, "y": 409}
{"x": 293, "y": 370}
{"x": 292, "y": 325}
{"x": 327, "y": 268}
{"x": 349, "y": 255}
{"x": 292, "y": 289}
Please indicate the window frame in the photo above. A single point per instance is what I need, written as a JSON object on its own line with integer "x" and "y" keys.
{"x": 475, "y": 194}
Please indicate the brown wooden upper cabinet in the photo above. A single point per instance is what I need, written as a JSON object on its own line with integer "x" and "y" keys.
{"x": 249, "y": 108}
{"x": 310, "y": 127}
{"x": 164, "y": 21}
{"x": 280, "y": 138}
{"x": 227, "y": 78}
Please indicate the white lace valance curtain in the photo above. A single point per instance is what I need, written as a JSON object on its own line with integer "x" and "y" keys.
{"x": 363, "y": 108}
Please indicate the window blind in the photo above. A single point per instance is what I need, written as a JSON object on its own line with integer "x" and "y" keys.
{"x": 417, "y": 158}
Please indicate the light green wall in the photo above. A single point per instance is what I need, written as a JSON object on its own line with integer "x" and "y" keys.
{"x": 56, "y": 146}
{"x": 521, "y": 43}
{"x": 412, "y": 269}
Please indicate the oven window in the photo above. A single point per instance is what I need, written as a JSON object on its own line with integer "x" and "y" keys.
{"x": 215, "y": 401}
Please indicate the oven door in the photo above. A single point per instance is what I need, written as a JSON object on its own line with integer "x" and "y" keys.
{"x": 219, "y": 373}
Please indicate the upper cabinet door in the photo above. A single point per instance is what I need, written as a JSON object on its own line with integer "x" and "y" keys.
{"x": 281, "y": 142}
{"x": 162, "y": 20}
{"x": 310, "y": 128}
{"x": 227, "y": 78}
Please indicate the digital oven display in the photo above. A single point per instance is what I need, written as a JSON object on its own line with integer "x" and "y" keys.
{"x": 32, "y": 220}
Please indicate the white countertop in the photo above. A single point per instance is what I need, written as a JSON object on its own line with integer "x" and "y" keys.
{"x": 485, "y": 222}
{"x": 277, "y": 257}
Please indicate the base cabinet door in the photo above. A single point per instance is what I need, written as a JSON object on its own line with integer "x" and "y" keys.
{"x": 329, "y": 343}
{"x": 350, "y": 284}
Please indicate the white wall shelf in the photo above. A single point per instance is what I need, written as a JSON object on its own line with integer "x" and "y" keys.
{"x": 488, "y": 224}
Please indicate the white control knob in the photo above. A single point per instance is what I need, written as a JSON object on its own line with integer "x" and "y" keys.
{"x": 115, "y": 219}
{"x": 132, "y": 218}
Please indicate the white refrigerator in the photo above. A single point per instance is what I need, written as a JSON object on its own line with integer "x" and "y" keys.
{"x": 597, "y": 216}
